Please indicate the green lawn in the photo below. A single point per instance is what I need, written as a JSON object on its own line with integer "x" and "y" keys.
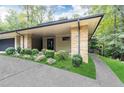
{"x": 85, "y": 69}
{"x": 116, "y": 66}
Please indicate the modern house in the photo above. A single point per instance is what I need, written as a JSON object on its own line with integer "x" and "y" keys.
{"x": 71, "y": 35}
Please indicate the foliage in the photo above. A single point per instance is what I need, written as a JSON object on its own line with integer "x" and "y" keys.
{"x": 116, "y": 66}
{"x": 79, "y": 56}
{"x": 109, "y": 31}
{"x": 76, "y": 60}
{"x": 35, "y": 51}
{"x": 10, "y": 51}
{"x": 49, "y": 53}
{"x": 26, "y": 56}
{"x": 93, "y": 44}
{"x": 31, "y": 15}
{"x": 19, "y": 50}
{"x": 26, "y": 51}
{"x": 61, "y": 55}
{"x": 44, "y": 51}
{"x": 51, "y": 61}
{"x": 40, "y": 58}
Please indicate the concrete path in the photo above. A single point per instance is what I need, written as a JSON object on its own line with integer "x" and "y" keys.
{"x": 15, "y": 72}
{"x": 104, "y": 75}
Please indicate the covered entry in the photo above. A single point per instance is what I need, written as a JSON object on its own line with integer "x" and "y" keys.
{"x": 71, "y": 35}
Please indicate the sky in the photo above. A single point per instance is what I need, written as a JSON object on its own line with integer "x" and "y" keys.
{"x": 61, "y": 10}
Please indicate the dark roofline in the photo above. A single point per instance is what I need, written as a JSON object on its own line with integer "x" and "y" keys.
{"x": 97, "y": 26}
{"x": 58, "y": 22}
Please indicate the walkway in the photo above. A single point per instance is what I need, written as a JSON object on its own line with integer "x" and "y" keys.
{"x": 104, "y": 75}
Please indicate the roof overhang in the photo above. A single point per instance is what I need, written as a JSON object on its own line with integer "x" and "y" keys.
{"x": 57, "y": 28}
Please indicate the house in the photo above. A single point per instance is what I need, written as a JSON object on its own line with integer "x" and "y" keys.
{"x": 71, "y": 35}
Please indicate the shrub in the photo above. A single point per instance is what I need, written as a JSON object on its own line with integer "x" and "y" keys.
{"x": 35, "y": 51}
{"x": 49, "y": 53}
{"x": 27, "y": 57}
{"x": 79, "y": 56}
{"x": 76, "y": 60}
{"x": 22, "y": 51}
{"x": 10, "y": 51}
{"x": 51, "y": 61}
{"x": 26, "y": 51}
{"x": 44, "y": 51}
{"x": 40, "y": 58}
{"x": 62, "y": 55}
{"x": 19, "y": 50}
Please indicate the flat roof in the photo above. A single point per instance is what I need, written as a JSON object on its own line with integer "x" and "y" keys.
{"x": 58, "y": 22}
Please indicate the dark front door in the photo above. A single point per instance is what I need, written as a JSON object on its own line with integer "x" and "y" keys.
{"x": 50, "y": 44}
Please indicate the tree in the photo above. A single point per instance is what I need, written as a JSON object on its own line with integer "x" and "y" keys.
{"x": 12, "y": 20}
{"x": 75, "y": 16}
{"x": 50, "y": 13}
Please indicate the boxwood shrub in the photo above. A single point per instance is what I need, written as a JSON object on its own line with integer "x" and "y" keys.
{"x": 26, "y": 51}
{"x": 76, "y": 60}
{"x": 35, "y": 51}
{"x": 49, "y": 53}
{"x": 10, "y": 51}
{"x": 61, "y": 55}
{"x": 19, "y": 50}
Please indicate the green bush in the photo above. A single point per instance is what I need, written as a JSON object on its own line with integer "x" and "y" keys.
{"x": 79, "y": 56}
{"x": 19, "y": 50}
{"x": 49, "y": 53}
{"x": 39, "y": 58}
{"x": 22, "y": 51}
{"x": 26, "y": 51}
{"x": 10, "y": 51}
{"x": 44, "y": 51}
{"x": 62, "y": 55}
{"x": 27, "y": 57}
{"x": 76, "y": 60}
{"x": 35, "y": 51}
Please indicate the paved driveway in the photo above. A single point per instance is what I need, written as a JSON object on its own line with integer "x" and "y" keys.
{"x": 15, "y": 72}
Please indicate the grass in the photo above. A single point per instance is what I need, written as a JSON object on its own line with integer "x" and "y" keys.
{"x": 116, "y": 66}
{"x": 84, "y": 69}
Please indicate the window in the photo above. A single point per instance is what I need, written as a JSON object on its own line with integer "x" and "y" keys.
{"x": 65, "y": 38}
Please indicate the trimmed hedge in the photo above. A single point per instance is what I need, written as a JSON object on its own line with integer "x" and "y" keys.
{"x": 19, "y": 50}
{"x": 49, "y": 53}
{"x": 10, "y": 51}
{"x": 35, "y": 51}
{"x": 76, "y": 60}
{"x": 26, "y": 51}
{"x": 61, "y": 55}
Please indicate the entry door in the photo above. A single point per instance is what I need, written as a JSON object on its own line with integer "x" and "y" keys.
{"x": 50, "y": 44}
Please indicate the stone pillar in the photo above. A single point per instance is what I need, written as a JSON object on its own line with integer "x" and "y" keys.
{"x": 74, "y": 40}
{"x": 21, "y": 41}
{"x": 17, "y": 42}
{"x": 83, "y": 42}
{"x": 27, "y": 41}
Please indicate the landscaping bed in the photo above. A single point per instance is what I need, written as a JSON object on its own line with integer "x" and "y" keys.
{"x": 84, "y": 69}
{"x": 60, "y": 59}
{"x": 116, "y": 66}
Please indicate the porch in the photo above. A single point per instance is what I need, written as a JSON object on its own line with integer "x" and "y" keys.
{"x": 58, "y": 37}
{"x": 69, "y": 35}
